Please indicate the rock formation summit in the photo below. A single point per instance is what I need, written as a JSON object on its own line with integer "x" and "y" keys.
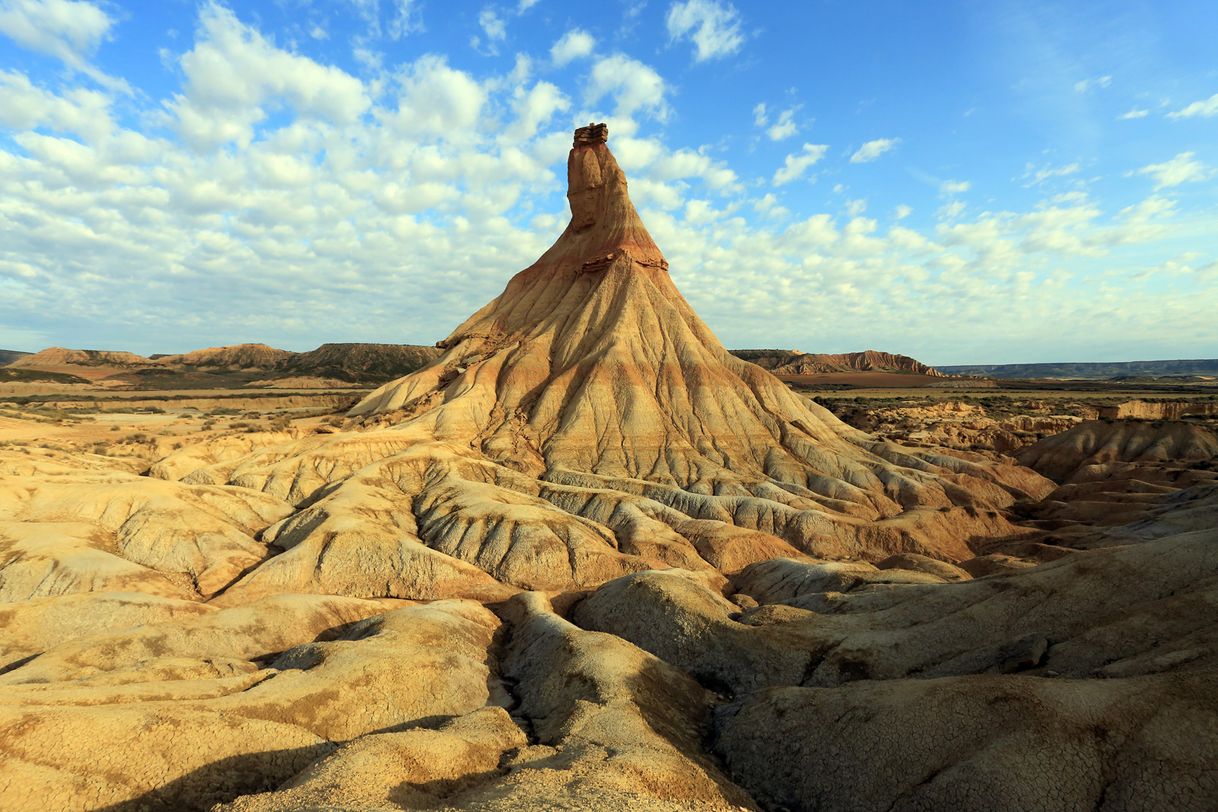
{"x": 586, "y": 424}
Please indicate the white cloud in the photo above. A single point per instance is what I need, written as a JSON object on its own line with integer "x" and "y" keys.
{"x": 1179, "y": 170}
{"x": 856, "y": 207}
{"x": 525, "y": 5}
{"x": 954, "y": 187}
{"x": 684, "y": 163}
{"x": 783, "y": 127}
{"x": 534, "y": 108}
{"x": 767, "y": 205}
{"x": 233, "y": 73}
{"x": 873, "y": 149}
{"x": 902, "y": 211}
{"x": 1099, "y": 82}
{"x": 760, "y": 116}
{"x": 1206, "y": 108}
{"x": 575, "y": 44}
{"x": 1134, "y": 113}
{"x": 634, "y": 87}
{"x": 492, "y": 25}
{"x": 435, "y": 99}
{"x": 407, "y": 18}
{"x": 404, "y": 17}
{"x": 69, "y": 30}
{"x": 712, "y": 25}
{"x": 795, "y": 165}
{"x": 27, "y": 107}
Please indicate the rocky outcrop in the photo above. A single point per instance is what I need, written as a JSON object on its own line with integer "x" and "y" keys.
{"x": 358, "y": 363}
{"x": 1159, "y": 410}
{"x": 1097, "y": 450}
{"x": 961, "y": 425}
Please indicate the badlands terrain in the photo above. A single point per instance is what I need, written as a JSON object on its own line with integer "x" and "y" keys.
{"x": 580, "y": 556}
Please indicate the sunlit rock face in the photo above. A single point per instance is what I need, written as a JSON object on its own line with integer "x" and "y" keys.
{"x": 590, "y": 392}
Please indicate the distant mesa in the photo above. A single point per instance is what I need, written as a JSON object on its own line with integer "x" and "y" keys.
{"x": 60, "y": 356}
{"x": 794, "y": 362}
{"x": 1196, "y": 369}
{"x": 91, "y": 365}
{"x": 239, "y": 356}
{"x": 351, "y": 364}
{"x": 9, "y": 356}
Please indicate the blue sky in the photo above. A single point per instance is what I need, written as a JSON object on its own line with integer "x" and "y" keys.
{"x": 961, "y": 182}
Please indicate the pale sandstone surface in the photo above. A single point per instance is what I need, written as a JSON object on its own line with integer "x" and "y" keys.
{"x": 1123, "y": 609}
{"x": 994, "y": 428}
{"x": 68, "y": 530}
{"x": 599, "y": 724}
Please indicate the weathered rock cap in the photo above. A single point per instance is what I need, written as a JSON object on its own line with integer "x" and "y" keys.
{"x": 592, "y": 134}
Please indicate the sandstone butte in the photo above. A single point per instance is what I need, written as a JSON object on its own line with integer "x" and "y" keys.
{"x": 587, "y": 559}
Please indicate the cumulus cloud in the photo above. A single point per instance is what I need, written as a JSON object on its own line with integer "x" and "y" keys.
{"x": 873, "y": 149}
{"x": 1205, "y": 108}
{"x": 575, "y": 44}
{"x": 69, "y": 30}
{"x": 1134, "y": 113}
{"x": 25, "y": 107}
{"x": 492, "y": 25}
{"x": 954, "y": 187}
{"x": 634, "y": 87}
{"x": 435, "y": 99}
{"x": 533, "y": 109}
{"x": 233, "y": 74}
{"x": 783, "y": 127}
{"x": 712, "y": 25}
{"x": 796, "y": 164}
{"x": 1184, "y": 168}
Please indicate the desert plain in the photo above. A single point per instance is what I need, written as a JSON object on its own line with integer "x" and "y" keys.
{"x": 580, "y": 556}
